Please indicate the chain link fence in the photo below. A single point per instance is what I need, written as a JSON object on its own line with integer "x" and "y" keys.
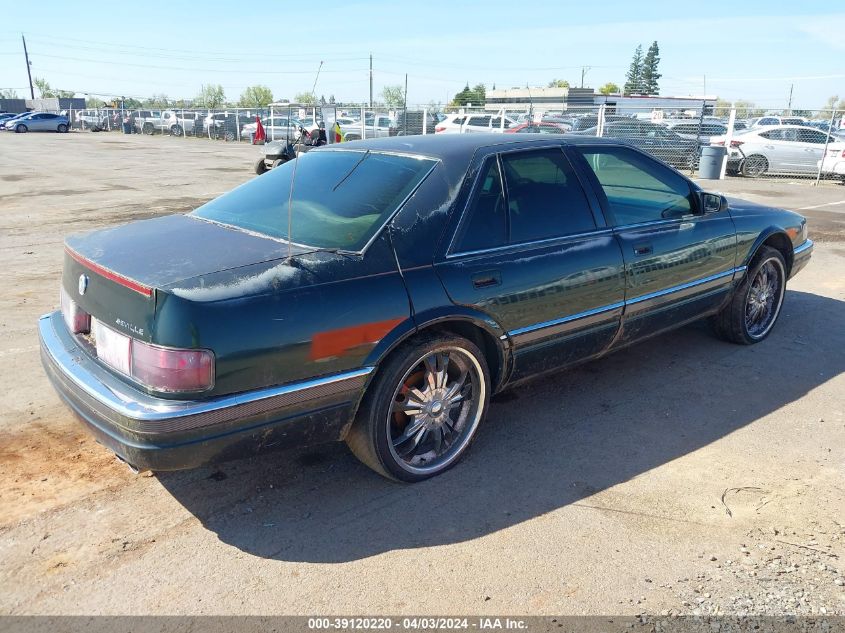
{"x": 692, "y": 138}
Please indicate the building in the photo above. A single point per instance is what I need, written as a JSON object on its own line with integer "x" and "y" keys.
{"x": 50, "y": 104}
{"x": 643, "y": 105}
{"x": 540, "y": 99}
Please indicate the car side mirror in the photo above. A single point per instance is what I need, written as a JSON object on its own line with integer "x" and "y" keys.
{"x": 713, "y": 202}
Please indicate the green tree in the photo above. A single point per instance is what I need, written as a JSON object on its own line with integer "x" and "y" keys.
{"x": 8, "y": 93}
{"x": 131, "y": 103}
{"x": 609, "y": 88}
{"x": 393, "y": 96}
{"x": 558, "y": 83}
{"x": 211, "y": 96}
{"x": 47, "y": 92}
{"x": 157, "y": 101}
{"x": 833, "y": 103}
{"x": 722, "y": 107}
{"x": 634, "y": 76}
{"x": 650, "y": 76}
{"x": 256, "y": 97}
{"x": 305, "y": 98}
{"x": 747, "y": 109}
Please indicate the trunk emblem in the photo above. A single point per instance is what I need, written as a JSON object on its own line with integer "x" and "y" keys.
{"x": 83, "y": 284}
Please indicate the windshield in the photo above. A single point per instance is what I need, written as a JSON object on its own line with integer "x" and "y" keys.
{"x": 340, "y": 198}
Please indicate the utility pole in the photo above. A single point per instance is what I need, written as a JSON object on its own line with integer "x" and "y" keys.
{"x": 789, "y": 107}
{"x": 28, "y": 71}
{"x": 371, "y": 80}
{"x": 584, "y": 70}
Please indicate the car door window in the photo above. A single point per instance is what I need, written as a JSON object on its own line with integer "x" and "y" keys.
{"x": 811, "y": 136}
{"x": 545, "y": 198}
{"x": 480, "y": 121}
{"x": 485, "y": 222}
{"x": 638, "y": 189}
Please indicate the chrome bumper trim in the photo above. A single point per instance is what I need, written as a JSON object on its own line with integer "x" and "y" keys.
{"x": 806, "y": 245}
{"x": 115, "y": 402}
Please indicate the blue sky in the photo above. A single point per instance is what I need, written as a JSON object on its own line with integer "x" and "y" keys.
{"x": 748, "y": 50}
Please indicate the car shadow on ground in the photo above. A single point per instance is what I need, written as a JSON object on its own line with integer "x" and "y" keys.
{"x": 544, "y": 445}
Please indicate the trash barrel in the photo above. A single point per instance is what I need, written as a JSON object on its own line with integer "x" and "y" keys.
{"x": 710, "y": 164}
{"x": 127, "y": 127}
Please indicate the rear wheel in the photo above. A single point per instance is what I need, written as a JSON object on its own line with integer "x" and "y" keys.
{"x": 177, "y": 130}
{"x": 755, "y": 166}
{"x": 756, "y": 302}
{"x": 229, "y": 136}
{"x": 148, "y": 128}
{"x": 62, "y": 128}
{"x": 423, "y": 408}
{"x": 260, "y": 166}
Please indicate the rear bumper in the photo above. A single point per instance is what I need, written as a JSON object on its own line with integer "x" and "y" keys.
{"x": 801, "y": 257}
{"x": 153, "y": 433}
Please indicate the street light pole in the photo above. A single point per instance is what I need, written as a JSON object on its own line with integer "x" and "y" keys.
{"x": 28, "y": 71}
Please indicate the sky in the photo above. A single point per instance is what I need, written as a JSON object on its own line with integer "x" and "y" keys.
{"x": 734, "y": 50}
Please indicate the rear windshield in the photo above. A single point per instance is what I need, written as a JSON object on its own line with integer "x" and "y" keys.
{"x": 340, "y": 198}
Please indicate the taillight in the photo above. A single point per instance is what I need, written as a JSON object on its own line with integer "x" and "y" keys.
{"x": 439, "y": 128}
{"x": 736, "y": 143}
{"x": 77, "y": 320}
{"x": 834, "y": 153}
{"x": 166, "y": 369}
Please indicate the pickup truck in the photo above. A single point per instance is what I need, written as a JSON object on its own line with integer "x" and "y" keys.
{"x": 375, "y": 126}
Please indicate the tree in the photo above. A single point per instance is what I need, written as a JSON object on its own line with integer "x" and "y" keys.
{"x": 256, "y": 97}
{"x": 558, "y": 83}
{"x": 211, "y": 96}
{"x": 393, "y": 96}
{"x": 747, "y": 109}
{"x": 158, "y": 101}
{"x": 47, "y": 92}
{"x": 634, "y": 76}
{"x": 722, "y": 107}
{"x": 305, "y": 98}
{"x": 609, "y": 88}
{"x": 9, "y": 93}
{"x": 650, "y": 76}
{"x": 833, "y": 103}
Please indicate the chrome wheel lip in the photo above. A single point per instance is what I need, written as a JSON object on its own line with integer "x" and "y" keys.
{"x": 759, "y": 300}
{"x": 455, "y": 451}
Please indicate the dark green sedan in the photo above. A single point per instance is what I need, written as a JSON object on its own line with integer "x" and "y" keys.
{"x": 379, "y": 292}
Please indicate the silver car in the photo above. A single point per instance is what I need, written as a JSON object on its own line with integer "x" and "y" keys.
{"x": 39, "y": 122}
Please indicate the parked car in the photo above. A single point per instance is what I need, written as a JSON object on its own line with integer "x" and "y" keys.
{"x": 654, "y": 139}
{"x": 375, "y": 126}
{"x": 763, "y": 121}
{"x": 452, "y": 124}
{"x": 180, "y": 122}
{"x": 277, "y": 127}
{"x": 691, "y": 130}
{"x": 414, "y": 278}
{"x": 543, "y": 127}
{"x": 473, "y": 123}
{"x": 38, "y": 122}
{"x": 7, "y": 116}
{"x": 411, "y": 122}
{"x": 776, "y": 149}
{"x": 833, "y": 163}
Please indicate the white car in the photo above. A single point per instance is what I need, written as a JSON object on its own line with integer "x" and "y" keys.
{"x": 468, "y": 123}
{"x": 276, "y": 128}
{"x": 833, "y": 163}
{"x": 775, "y": 149}
{"x": 375, "y": 126}
{"x": 762, "y": 121}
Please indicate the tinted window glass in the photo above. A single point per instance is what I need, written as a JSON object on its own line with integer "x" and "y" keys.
{"x": 486, "y": 223}
{"x": 479, "y": 120}
{"x": 637, "y": 188}
{"x": 340, "y": 198}
{"x": 811, "y": 136}
{"x": 545, "y": 198}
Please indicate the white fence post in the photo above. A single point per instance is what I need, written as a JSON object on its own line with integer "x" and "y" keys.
{"x": 363, "y": 124}
{"x": 729, "y": 135}
{"x": 425, "y": 120}
{"x": 826, "y": 142}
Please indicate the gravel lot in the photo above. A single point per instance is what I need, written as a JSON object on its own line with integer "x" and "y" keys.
{"x": 683, "y": 475}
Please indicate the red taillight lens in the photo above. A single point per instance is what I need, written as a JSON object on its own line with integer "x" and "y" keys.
{"x": 439, "y": 128}
{"x": 736, "y": 143}
{"x": 77, "y": 320}
{"x": 168, "y": 369}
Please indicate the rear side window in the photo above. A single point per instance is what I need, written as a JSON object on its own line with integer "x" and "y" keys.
{"x": 545, "y": 199}
{"x": 638, "y": 189}
{"x": 486, "y": 224}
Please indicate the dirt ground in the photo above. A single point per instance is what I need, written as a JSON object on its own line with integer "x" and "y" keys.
{"x": 683, "y": 475}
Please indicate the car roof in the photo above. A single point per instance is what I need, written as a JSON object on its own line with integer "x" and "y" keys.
{"x": 463, "y": 146}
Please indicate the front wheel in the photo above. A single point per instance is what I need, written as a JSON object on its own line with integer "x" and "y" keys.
{"x": 177, "y": 130}
{"x": 756, "y": 302}
{"x": 148, "y": 128}
{"x": 21, "y": 129}
{"x": 423, "y": 408}
{"x": 260, "y": 166}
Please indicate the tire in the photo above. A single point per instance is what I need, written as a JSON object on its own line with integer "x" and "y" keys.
{"x": 229, "y": 136}
{"x": 148, "y": 128}
{"x": 736, "y": 322}
{"x": 176, "y": 130}
{"x": 278, "y": 162}
{"x": 260, "y": 166}
{"x": 21, "y": 129}
{"x": 754, "y": 166}
{"x": 439, "y": 434}
{"x": 62, "y": 128}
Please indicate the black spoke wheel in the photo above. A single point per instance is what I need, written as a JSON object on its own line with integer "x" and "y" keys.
{"x": 756, "y": 302}
{"x": 755, "y": 166}
{"x": 423, "y": 409}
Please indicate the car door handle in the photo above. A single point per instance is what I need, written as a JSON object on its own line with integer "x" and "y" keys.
{"x": 487, "y": 279}
{"x": 643, "y": 249}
